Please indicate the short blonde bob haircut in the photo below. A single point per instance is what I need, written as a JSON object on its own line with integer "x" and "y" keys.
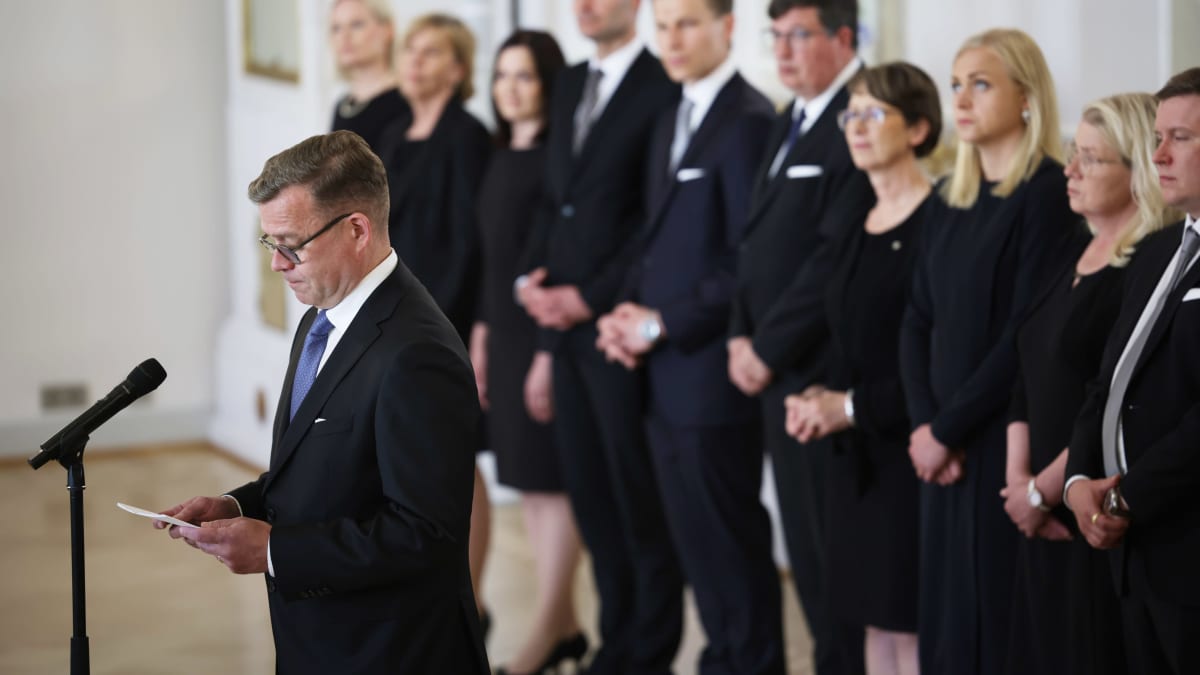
{"x": 462, "y": 43}
{"x": 1027, "y": 67}
{"x": 1126, "y": 121}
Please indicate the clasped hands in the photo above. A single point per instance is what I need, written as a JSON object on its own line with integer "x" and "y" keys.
{"x": 815, "y": 413}
{"x": 1030, "y": 520}
{"x": 237, "y": 542}
{"x": 747, "y": 371}
{"x": 1085, "y": 498}
{"x": 934, "y": 462}
{"x": 557, "y": 307}
{"x": 619, "y": 337}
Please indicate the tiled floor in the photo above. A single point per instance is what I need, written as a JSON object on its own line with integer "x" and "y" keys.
{"x": 156, "y": 606}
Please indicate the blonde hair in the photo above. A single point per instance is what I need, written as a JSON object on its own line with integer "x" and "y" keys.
{"x": 382, "y": 11}
{"x": 1126, "y": 121}
{"x": 462, "y": 43}
{"x": 1027, "y": 67}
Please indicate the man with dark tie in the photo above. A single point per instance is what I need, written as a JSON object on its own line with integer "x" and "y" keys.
{"x": 1134, "y": 460}
{"x": 703, "y": 431}
{"x": 600, "y": 124}
{"x": 361, "y": 522}
{"x": 778, "y": 333}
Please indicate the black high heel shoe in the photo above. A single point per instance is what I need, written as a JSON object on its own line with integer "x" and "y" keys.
{"x": 571, "y": 648}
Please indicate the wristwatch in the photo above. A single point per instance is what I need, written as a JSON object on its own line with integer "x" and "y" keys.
{"x": 649, "y": 329}
{"x": 1036, "y": 500}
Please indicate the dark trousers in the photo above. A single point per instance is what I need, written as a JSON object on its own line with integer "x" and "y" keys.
{"x": 800, "y": 488}
{"x": 1160, "y": 632}
{"x": 610, "y": 480}
{"x": 711, "y": 478}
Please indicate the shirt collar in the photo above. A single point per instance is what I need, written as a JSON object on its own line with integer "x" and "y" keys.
{"x": 1192, "y": 222}
{"x": 815, "y": 107}
{"x": 341, "y": 314}
{"x": 704, "y": 91}
{"x": 615, "y": 65}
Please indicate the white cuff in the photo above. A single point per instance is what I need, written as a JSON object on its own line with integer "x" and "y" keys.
{"x": 1067, "y": 486}
{"x": 521, "y": 282}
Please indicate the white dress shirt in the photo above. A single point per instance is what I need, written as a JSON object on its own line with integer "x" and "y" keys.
{"x": 814, "y": 107}
{"x": 614, "y": 66}
{"x": 703, "y": 92}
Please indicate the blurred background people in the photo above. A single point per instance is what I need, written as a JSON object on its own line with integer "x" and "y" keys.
{"x": 778, "y": 334}
{"x": 893, "y": 118}
{"x": 979, "y": 269}
{"x": 361, "y": 33}
{"x": 600, "y": 124}
{"x": 435, "y": 160}
{"x": 1065, "y": 614}
{"x": 513, "y": 379}
{"x": 702, "y": 431}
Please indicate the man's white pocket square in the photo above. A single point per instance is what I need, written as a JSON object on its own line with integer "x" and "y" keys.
{"x": 1193, "y": 294}
{"x": 318, "y": 420}
{"x": 804, "y": 171}
{"x": 685, "y": 175}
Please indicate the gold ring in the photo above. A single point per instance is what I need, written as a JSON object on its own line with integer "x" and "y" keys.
{"x": 1095, "y": 516}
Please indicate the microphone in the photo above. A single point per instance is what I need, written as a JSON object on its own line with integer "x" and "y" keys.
{"x": 141, "y": 381}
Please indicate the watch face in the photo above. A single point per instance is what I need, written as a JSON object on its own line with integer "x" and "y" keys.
{"x": 1035, "y": 499}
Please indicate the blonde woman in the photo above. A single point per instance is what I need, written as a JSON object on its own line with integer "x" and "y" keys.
{"x": 1066, "y": 616}
{"x": 1008, "y": 229}
{"x": 361, "y": 33}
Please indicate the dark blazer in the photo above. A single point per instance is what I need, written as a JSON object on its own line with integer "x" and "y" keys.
{"x": 785, "y": 257}
{"x": 597, "y": 200}
{"x": 369, "y": 495}
{"x": 688, "y": 260}
{"x": 1161, "y": 421}
{"x": 432, "y": 221}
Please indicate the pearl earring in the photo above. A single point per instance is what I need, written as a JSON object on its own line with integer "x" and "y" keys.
{"x": 1025, "y": 115}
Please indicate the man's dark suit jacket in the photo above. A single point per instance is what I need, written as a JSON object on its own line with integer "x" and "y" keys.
{"x": 1161, "y": 420}
{"x": 597, "y": 199}
{"x": 688, "y": 266}
{"x": 786, "y": 255}
{"x": 369, "y": 495}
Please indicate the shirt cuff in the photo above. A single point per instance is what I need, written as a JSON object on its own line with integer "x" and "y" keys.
{"x": 235, "y": 503}
{"x": 521, "y": 282}
{"x": 1067, "y": 486}
{"x": 270, "y": 566}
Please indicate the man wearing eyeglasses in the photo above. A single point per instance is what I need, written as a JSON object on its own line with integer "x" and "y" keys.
{"x": 778, "y": 333}
{"x": 361, "y": 522}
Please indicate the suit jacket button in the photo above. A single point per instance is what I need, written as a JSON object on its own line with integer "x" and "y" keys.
{"x": 568, "y": 211}
{"x": 270, "y": 515}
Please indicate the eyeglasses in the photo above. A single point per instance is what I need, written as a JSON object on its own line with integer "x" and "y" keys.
{"x": 797, "y": 37}
{"x": 873, "y": 114}
{"x": 290, "y": 252}
{"x": 1088, "y": 163}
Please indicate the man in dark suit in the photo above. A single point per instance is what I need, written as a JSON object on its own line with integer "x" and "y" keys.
{"x": 778, "y": 332}
{"x": 702, "y": 431}
{"x": 361, "y": 522}
{"x": 600, "y": 124}
{"x": 1134, "y": 460}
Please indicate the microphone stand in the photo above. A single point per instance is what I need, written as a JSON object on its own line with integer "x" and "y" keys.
{"x": 70, "y": 456}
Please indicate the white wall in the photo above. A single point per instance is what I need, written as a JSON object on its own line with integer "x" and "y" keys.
{"x": 111, "y": 183}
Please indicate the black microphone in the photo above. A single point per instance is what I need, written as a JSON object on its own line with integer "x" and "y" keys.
{"x": 141, "y": 381}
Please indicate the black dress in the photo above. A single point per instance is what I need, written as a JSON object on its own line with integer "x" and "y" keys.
{"x": 1066, "y": 617}
{"x": 371, "y": 118}
{"x": 872, "y": 503}
{"x": 979, "y": 271}
{"x": 512, "y": 192}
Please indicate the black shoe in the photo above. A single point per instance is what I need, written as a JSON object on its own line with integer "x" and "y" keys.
{"x": 567, "y": 649}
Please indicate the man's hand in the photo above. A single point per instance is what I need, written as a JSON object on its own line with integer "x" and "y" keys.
{"x": 1028, "y": 518}
{"x": 478, "y": 352}
{"x": 557, "y": 307}
{"x": 1086, "y": 499}
{"x": 747, "y": 371}
{"x": 539, "y": 388}
{"x": 198, "y": 510}
{"x": 531, "y": 292}
{"x": 811, "y": 416}
{"x": 619, "y": 336}
{"x": 239, "y": 543}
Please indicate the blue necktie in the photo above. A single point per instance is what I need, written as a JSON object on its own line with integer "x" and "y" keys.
{"x": 792, "y": 136}
{"x": 310, "y": 358}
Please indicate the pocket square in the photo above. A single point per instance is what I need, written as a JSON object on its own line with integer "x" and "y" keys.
{"x": 318, "y": 420}
{"x": 685, "y": 175}
{"x": 1193, "y": 294}
{"x": 804, "y": 171}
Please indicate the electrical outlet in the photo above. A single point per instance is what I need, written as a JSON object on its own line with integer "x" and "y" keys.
{"x": 63, "y": 396}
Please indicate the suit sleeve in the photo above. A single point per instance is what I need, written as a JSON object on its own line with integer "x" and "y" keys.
{"x": 695, "y": 320}
{"x": 796, "y": 323}
{"x": 250, "y": 498}
{"x": 424, "y": 425}
{"x": 1044, "y": 243}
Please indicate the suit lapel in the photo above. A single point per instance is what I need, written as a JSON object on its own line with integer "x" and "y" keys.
{"x": 615, "y": 107}
{"x": 285, "y": 397}
{"x": 1163, "y": 323}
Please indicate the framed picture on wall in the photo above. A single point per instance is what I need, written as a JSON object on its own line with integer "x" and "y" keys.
{"x": 271, "y": 38}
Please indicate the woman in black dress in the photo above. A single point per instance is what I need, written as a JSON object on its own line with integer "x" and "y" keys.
{"x": 513, "y": 380}
{"x": 893, "y": 118}
{"x": 360, "y": 35}
{"x": 1008, "y": 229}
{"x": 435, "y": 159}
{"x": 1066, "y": 617}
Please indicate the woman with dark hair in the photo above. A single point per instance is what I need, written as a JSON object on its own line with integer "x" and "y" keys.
{"x": 981, "y": 264}
{"x": 893, "y": 119}
{"x": 513, "y": 379}
{"x": 361, "y": 33}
